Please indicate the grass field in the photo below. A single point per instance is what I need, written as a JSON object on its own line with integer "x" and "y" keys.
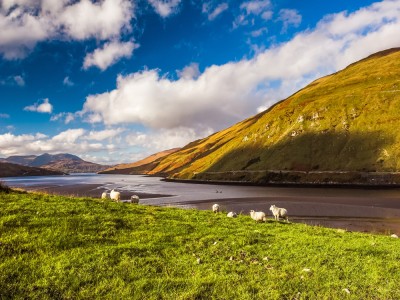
{"x": 55, "y": 247}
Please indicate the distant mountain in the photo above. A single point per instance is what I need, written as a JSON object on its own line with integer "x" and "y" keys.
{"x": 63, "y": 162}
{"x": 20, "y": 160}
{"x": 14, "y": 170}
{"x": 139, "y": 166}
{"x": 344, "y": 122}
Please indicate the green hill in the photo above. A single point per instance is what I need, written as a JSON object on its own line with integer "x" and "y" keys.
{"x": 347, "y": 121}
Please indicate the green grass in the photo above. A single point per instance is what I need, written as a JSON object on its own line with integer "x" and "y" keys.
{"x": 55, "y": 247}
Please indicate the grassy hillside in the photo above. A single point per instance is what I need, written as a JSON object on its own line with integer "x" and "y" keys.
{"x": 13, "y": 170}
{"x": 134, "y": 167}
{"x": 343, "y": 122}
{"x": 54, "y": 247}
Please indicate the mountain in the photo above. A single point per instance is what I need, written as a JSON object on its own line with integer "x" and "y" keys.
{"x": 63, "y": 162}
{"x": 14, "y": 170}
{"x": 342, "y": 123}
{"x": 139, "y": 166}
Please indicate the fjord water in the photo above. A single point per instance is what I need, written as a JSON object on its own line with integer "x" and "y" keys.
{"x": 355, "y": 209}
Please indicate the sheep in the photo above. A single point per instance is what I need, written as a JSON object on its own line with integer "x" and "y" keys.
{"x": 114, "y": 195}
{"x": 279, "y": 212}
{"x": 258, "y": 216}
{"x": 215, "y": 208}
{"x": 104, "y": 195}
{"x": 134, "y": 199}
{"x": 231, "y": 214}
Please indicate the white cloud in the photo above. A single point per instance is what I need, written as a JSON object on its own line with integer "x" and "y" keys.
{"x": 155, "y": 141}
{"x": 260, "y": 8}
{"x": 109, "y": 54}
{"x": 44, "y": 107}
{"x": 104, "y": 134}
{"x": 19, "y": 80}
{"x": 165, "y": 7}
{"x": 102, "y": 20}
{"x": 4, "y": 116}
{"x": 256, "y": 7}
{"x": 189, "y": 72}
{"x": 24, "y": 23}
{"x": 259, "y": 32}
{"x": 72, "y": 141}
{"x": 216, "y": 11}
{"x": 222, "y": 95}
{"x": 67, "y": 81}
{"x": 13, "y": 80}
{"x": 289, "y": 17}
{"x": 68, "y": 117}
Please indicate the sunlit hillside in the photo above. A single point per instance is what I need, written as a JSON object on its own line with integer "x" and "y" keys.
{"x": 347, "y": 121}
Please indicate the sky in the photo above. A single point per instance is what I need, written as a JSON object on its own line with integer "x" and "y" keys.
{"x": 114, "y": 81}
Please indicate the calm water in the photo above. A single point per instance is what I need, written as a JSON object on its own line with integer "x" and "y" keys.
{"x": 184, "y": 192}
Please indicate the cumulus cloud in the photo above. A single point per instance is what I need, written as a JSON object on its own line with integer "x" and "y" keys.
{"x": 213, "y": 13}
{"x": 165, "y": 8}
{"x": 23, "y": 24}
{"x": 155, "y": 141}
{"x": 104, "y": 134}
{"x": 189, "y": 72}
{"x": 289, "y": 17}
{"x": 222, "y": 95}
{"x": 109, "y": 54}
{"x": 4, "y": 116}
{"x": 101, "y": 20}
{"x": 44, "y": 107}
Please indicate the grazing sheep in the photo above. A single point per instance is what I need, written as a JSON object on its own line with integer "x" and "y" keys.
{"x": 279, "y": 212}
{"x": 258, "y": 216}
{"x": 104, "y": 195}
{"x": 215, "y": 208}
{"x": 114, "y": 195}
{"x": 134, "y": 199}
{"x": 231, "y": 214}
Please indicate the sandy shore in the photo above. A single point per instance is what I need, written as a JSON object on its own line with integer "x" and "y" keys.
{"x": 352, "y": 214}
{"x": 376, "y": 215}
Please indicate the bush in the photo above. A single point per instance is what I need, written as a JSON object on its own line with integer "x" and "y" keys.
{"x": 4, "y": 188}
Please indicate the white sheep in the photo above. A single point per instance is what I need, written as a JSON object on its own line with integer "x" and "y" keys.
{"x": 114, "y": 195}
{"x": 279, "y": 212}
{"x": 231, "y": 214}
{"x": 215, "y": 208}
{"x": 258, "y": 216}
{"x": 134, "y": 199}
{"x": 104, "y": 195}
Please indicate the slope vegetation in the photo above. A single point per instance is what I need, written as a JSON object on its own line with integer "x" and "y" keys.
{"x": 138, "y": 167}
{"x": 346, "y": 121}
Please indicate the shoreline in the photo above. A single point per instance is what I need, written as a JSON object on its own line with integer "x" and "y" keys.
{"x": 285, "y": 184}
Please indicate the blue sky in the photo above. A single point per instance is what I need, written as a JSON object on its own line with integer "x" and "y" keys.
{"x": 116, "y": 80}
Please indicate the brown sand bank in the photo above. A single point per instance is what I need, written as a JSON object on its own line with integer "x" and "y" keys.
{"x": 379, "y": 215}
